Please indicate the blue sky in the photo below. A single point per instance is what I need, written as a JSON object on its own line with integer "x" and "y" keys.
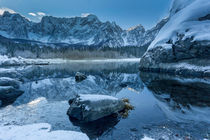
{"x": 126, "y": 13}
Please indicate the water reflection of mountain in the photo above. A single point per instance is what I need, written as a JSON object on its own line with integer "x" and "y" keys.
{"x": 185, "y": 92}
{"x": 69, "y": 69}
{"x": 57, "y": 82}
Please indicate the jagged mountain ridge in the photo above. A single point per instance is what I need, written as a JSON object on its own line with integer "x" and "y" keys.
{"x": 85, "y": 30}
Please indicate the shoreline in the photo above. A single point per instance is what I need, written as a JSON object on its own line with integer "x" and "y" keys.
{"x": 181, "y": 72}
{"x": 5, "y": 61}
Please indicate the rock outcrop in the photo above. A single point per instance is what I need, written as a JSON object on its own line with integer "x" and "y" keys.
{"x": 182, "y": 45}
{"x": 9, "y": 90}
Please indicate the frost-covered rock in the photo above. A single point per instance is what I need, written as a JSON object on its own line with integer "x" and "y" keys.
{"x": 12, "y": 73}
{"x": 93, "y": 107}
{"x": 6, "y": 81}
{"x": 84, "y": 30}
{"x": 183, "y": 41}
{"x": 80, "y": 77}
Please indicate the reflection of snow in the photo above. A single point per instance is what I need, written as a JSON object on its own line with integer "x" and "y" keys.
{"x": 34, "y": 102}
{"x": 39, "y": 131}
{"x": 147, "y": 138}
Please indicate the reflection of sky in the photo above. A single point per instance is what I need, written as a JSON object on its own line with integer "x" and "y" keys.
{"x": 126, "y": 13}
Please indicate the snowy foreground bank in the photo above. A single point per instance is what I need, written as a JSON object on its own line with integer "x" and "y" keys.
{"x": 16, "y": 61}
{"x": 40, "y": 131}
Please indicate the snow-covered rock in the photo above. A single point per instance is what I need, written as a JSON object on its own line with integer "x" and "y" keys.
{"x": 6, "y": 81}
{"x": 93, "y": 107}
{"x": 37, "y": 132}
{"x": 16, "y": 61}
{"x": 184, "y": 39}
{"x": 84, "y": 30}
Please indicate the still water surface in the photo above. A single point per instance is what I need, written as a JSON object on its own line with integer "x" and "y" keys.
{"x": 166, "y": 107}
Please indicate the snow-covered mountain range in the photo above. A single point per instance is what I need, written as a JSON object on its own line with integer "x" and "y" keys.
{"x": 84, "y": 30}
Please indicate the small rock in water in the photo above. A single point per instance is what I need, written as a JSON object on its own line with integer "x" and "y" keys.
{"x": 79, "y": 77}
{"x": 93, "y": 107}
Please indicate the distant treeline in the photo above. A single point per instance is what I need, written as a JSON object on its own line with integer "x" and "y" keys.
{"x": 33, "y": 49}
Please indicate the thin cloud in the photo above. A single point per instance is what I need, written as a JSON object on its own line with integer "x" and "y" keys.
{"x": 32, "y": 14}
{"x": 41, "y": 14}
{"x": 3, "y": 9}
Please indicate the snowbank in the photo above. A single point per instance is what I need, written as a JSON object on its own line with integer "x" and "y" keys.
{"x": 186, "y": 22}
{"x": 38, "y": 132}
{"x": 185, "y": 37}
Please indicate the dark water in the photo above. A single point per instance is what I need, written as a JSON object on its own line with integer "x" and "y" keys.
{"x": 166, "y": 107}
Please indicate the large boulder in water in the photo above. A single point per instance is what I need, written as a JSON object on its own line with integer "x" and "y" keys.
{"x": 93, "y": 107}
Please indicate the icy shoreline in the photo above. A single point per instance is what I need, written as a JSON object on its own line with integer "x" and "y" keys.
{"x": 18, "y": 61}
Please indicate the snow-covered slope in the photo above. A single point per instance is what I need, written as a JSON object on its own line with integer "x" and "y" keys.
{"x": 84, "y": 30}
{"x": 185, "y": 38}
{"x": 38, "y": 131}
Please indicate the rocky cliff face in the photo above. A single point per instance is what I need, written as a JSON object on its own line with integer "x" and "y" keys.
{"x": 182, "y": 45}
{"x": 85, "y": 30}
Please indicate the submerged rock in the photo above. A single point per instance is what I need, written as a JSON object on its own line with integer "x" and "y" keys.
{"x": 97, "y": 128}
{"x": 93, "y": 107}
{"x": 80, "y": 77}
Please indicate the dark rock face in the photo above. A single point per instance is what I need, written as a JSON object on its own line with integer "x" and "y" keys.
{"x": 183, "y": 51}
{"x": 79, "y": 77}
{"x": 9, "y": 94}
{"x": 89, "y": 108}
{"x": 207, "y": 17}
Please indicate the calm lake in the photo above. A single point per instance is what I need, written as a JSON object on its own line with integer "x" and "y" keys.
{"x": 165, "y": 107}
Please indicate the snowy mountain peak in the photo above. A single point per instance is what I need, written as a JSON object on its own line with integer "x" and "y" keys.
{"x": 138, "y": 27}
{"x": 84, "y": 30}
